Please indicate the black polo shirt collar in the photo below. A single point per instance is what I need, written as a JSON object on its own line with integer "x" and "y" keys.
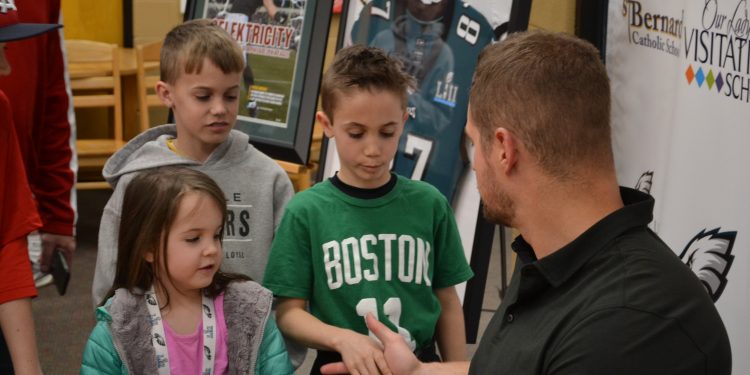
{"x": 559, "y": 266}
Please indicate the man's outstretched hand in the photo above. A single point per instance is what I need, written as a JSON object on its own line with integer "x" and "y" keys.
{"x": 400, "y": 359}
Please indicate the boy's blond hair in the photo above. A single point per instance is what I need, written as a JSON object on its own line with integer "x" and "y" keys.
{"x": 188, "y": 44}
{"x": 364, "y": 68}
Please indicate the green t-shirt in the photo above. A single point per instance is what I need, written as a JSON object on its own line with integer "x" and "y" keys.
{"x": 350, "y": 256}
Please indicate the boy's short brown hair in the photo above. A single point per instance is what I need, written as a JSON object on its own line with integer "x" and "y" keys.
{"x": 188, "y": 44}
{"x": 364, "y": 68}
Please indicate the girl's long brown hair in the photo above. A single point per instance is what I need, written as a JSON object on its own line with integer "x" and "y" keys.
{"x": 149, "y": 208}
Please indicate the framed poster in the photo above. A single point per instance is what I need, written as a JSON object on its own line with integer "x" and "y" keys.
{"x": 438, "y": 42}
{"x": 284, "y": 44}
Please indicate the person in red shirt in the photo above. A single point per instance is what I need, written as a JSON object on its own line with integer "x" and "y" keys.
{"x": 18, "y": 217}
{"x": 44, "y": 124}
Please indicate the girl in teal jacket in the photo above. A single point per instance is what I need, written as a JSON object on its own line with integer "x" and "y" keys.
{"x": 171, "y": 310}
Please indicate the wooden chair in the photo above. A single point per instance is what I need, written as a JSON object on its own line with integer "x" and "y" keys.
{"x": 94, "y": 69}
{"x": 147, "y": 63}
{"x": 299, "y": 174}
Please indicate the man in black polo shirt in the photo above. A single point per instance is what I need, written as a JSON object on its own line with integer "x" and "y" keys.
{"x": 595, "y": 291}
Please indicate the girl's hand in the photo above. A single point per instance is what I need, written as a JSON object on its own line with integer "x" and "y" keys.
{"x": 361, "y": 354}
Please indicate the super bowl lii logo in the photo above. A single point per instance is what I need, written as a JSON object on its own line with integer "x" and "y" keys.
{"x": 718, "y": 50}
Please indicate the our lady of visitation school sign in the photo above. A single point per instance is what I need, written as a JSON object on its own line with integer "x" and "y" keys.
{"x": 680, "y": 76}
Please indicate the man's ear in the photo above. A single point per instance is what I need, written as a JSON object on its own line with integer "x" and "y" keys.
{"x": 506, "y": 145}
{"x": 325, "y": 122}
{"x": 164, "y": 91}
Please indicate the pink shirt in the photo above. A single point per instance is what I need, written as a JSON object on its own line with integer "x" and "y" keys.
{"x": 186, "y": 351}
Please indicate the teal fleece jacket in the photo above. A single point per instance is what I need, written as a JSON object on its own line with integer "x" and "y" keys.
{"x": 121, "y": 340}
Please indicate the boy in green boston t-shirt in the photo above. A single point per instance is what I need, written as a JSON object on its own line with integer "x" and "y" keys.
{"x": 368, "y": 241}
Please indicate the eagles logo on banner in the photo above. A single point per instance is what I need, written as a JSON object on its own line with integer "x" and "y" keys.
{"x": 709, "y": 256}
{"x": 680, "y": 78}
{"x": 644, "y": 182}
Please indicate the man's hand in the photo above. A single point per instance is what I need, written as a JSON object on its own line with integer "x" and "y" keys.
{"x": 362, "y": 355}
{"x": 398, "y": 356}
{"x": 50, "y": 242}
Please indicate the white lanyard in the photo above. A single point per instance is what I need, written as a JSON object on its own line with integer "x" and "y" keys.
{"x": 159, "y": 338}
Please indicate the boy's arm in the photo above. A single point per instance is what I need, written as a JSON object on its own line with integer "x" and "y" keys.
{"x": 360, "y": 353}
{"x": 451, "y": 332}
{"x": 55, "y": 142}
{"x": 54, "y": 178}
{"x": 451, "y": 268}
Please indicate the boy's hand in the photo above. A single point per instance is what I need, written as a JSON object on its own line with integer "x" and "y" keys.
{"x": 361, "y": 354}
{"x": 398, "y": 357}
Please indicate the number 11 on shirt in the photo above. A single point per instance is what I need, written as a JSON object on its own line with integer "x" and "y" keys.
{"x": 392, "y": 310}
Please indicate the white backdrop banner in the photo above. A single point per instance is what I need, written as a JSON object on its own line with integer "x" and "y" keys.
{"x": 680, "y": 73}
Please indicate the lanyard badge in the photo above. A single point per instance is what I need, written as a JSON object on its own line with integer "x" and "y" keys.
{"x": 159, "y": 339}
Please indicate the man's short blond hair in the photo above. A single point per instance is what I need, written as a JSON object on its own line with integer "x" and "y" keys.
{"x": 187, "y": 45}
{"x": 552, "y": 92}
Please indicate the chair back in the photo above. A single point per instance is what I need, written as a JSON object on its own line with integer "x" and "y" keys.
{"x": 94, "y": 69}
{"x": 147, "y": 65}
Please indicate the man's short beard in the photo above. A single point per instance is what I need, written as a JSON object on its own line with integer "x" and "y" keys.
{"x": 502, "y": 210}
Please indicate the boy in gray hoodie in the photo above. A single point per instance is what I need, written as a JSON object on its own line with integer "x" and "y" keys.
{"x": 201, "y": 70}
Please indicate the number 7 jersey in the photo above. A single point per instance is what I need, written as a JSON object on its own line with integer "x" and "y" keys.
{"x": 442, "y": 57}
{"x": 349, "y": 257}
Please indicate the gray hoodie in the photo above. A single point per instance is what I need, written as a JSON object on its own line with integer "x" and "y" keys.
{"x": 256, "y": 188}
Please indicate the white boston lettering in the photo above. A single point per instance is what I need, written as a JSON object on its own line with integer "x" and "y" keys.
{"x": 420, "y": 261}
{"x": 387, "y": 239}
{"x": 350, "y": 253}
{"x": 371, "y": 274}
{"x": 354, "y": 260}
{"x": 332, "y": 261}
{"x": 405, "y": 266}
{"x": 426, "y": 264}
